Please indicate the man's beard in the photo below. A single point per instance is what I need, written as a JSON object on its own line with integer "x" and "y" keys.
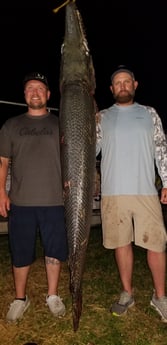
{"x": 124, "y": 98}
{"x": 36, "y": 106}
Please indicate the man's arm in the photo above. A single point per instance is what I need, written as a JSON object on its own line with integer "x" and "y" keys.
{"x": 4, "y": 199}
{"x": 160, "y": 152}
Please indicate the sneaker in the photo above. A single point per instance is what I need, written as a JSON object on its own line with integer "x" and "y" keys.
{"x": 17, "y": 309}
{"x": 125, "y": 302}
{"x": 56, "y": 305}
{"x": 160, "y": 305}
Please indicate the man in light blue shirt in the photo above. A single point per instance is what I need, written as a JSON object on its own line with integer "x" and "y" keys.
{"x": 131, "y": 140}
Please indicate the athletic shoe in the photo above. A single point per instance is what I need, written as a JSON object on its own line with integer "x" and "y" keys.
{"x": 160, "y": 305}
{"x": 56, "y": 305}
{"x": 125, "y": 302}
{"x": 17, "y": 309}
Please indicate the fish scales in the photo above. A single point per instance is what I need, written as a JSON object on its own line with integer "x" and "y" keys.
{"x": 78, "y": 141}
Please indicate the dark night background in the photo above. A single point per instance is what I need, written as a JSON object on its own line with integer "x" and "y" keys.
{"x": 118, "y": 32}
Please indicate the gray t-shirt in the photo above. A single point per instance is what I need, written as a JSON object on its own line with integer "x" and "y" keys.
{"x": 32, "y": 143}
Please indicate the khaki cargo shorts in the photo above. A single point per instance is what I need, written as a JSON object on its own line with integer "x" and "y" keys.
{"x": 130, "y": 218}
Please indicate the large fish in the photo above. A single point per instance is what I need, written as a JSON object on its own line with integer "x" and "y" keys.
{"x": 78, "y": 138}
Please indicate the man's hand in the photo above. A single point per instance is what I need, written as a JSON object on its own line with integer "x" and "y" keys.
{"x": 164, "y": 196}
{"x": 4, "y": 204}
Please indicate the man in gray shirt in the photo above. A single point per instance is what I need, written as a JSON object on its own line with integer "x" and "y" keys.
{"x": 35, "y": 201}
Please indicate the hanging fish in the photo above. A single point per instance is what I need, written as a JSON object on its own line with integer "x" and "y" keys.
{"x": 78, "y": 141}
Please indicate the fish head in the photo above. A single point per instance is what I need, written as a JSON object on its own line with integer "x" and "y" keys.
{"x": 76, "y": 60}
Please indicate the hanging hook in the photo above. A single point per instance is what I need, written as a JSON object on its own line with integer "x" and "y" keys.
{"x": 55, "y": 10}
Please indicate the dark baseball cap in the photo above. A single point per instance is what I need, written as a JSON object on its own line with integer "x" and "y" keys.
{"x": 122, "y": 68}
{"x": 36, "y": 76}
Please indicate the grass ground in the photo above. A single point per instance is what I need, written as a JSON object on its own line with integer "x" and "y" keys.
{"x": 101, "y": 285}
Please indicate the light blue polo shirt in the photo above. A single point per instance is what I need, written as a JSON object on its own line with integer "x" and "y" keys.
{"x": 127, "y": 144}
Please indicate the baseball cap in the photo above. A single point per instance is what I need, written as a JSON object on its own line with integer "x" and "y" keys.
{"x": 122, "y": 68}
{"x": 36, "y": 76}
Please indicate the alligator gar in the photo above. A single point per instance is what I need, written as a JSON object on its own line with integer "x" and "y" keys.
{"x": 77, "y": 140}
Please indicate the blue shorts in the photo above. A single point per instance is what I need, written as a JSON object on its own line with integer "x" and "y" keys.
{"x": 24, "y": 224}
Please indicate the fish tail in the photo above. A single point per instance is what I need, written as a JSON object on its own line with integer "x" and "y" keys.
{"x": 77, "y": 309}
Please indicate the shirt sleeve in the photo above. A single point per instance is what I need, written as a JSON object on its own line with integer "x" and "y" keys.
{"x": 160, "y": 146}
{"x": 98, "y": 132}
{"x": 5, "y": 147}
